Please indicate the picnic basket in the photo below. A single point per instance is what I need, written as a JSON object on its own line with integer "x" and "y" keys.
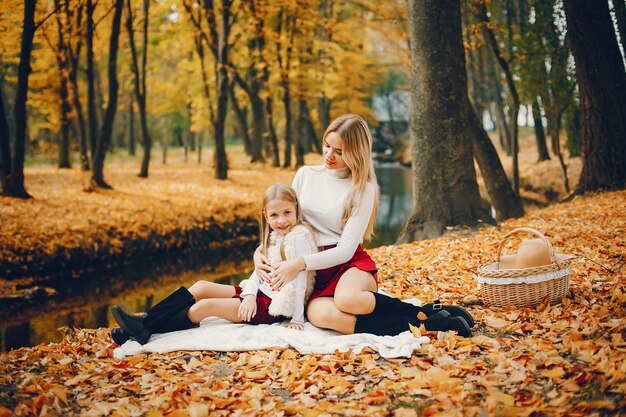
{"x": 525, "y": 287}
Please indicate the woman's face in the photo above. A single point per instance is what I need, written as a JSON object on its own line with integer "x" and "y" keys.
{"x": 333, "y": 149}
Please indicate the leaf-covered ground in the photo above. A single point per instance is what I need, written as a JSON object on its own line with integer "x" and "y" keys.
{"x": 567, "y": 359}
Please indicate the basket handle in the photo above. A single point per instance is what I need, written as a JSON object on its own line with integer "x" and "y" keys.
{"x": 529, "y": 230}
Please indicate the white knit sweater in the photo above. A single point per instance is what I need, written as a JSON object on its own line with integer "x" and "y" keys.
{"x": 290, "y": 300}
{"x": 322, "y": 194}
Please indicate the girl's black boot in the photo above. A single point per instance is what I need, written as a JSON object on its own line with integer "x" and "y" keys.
{"x": 157, "y": 319}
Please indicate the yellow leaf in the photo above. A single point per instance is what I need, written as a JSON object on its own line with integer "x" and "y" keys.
{"x": 337, "y": 385}
{"x": 198, "y": 410}
{"x": 417, "y": 331}
{"x": 494, "y": 322}
{"x": 503, "y": 398}
{"x": 556, "y": 372}
{"x": 407, "y": 373}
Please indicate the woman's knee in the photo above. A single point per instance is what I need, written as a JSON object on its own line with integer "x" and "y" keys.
{"x": 198, "y": 286}
{"x": 347, "y": 302}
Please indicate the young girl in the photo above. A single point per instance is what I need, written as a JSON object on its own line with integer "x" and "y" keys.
{"x": 283, "y": 236}
{"x": 340, "y": 200}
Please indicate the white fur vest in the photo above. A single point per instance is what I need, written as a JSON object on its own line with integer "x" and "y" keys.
{"x": 284, "y": 300}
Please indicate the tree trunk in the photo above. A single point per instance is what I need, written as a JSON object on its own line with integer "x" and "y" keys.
{"x": 191, "y": 138}
{"x": 164, "y": 138}
{"x": 271, "y": 131}
{"x": 91, "y": 88}
{"x": 243, "y": 121}
{"x": 310, "y": 132}
{"x": 572, "y": 127}
{"x": 619, "y": 6}
{"x": 299, "y": 138}
{"x": 445, "y": 191}
{"x": 140, "y": 82}
{"x": 286, "y": 23}
{"x": 62, "y": 58}
{"x": 5, "y": 148}
{"x": 501, "y": 122}
{"x": 109, "y": 115}
{"x": 506, "y": 203}
{"x": 323, "y": 107}
{"x": 540, "y": 135}
{"x": 602, "y": 83}
{"x": 512, "y": 90}
{"x": 257, "y": 128}
{"x": 556, "y": 146}
{"x": 199, "y": 137}
{"x": 221, "y": 163}
{"x": 132, "y": 143}
{"x": 288, "y": 126}
{"x": 74, "y": 57}
{"x": 15, "y": 181}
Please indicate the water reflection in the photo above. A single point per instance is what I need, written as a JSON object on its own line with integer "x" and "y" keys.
{"x": 84, "y": 300}
{"x": 395, "y": 203}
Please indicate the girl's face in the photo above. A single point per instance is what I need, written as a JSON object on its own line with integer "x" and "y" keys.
{"x": 333, "y": 149}
{"x": 281, "y": 215}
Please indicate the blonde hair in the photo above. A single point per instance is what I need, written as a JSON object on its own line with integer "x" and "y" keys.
{"x": 357, "y": 154}
{"x": 282, "y": 192}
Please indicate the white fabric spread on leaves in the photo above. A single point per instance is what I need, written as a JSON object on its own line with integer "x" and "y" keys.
{"x": 223, "y": 336}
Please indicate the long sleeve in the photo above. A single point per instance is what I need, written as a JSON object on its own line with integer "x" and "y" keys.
{"x": 303, "y": 248}
{"x": 351, "y": 236}
{"x": 252, "y": 286}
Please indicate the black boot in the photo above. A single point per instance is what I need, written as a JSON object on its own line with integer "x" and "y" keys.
{"x": 119, "y": 336}
{"x": 157, "y": 318}
{"x": 455, "y": 311}
{"x": 390, "y": 305}
{"x": 391, "y": 325}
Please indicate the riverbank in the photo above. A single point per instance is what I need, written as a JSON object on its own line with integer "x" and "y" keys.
{"x": 180, "y": 207}
{"x": 567, "y": 359}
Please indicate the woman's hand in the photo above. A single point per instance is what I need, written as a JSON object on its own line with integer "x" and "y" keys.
{"x": 262, "y": 266}
{"x": 247, "y": 308}
{"x": 286, "y": 271}
{"x": 293, "y": 325}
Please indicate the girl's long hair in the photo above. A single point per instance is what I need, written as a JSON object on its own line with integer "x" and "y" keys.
{"x": 279, "y": 191}
{"x": 357, "y": 154}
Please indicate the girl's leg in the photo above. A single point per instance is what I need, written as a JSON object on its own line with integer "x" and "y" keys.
{"x": 353, "y": 294}
{"x": 323, "y": 313}
{"x": 205, "y": 289}
{"x": 225, "y": 308}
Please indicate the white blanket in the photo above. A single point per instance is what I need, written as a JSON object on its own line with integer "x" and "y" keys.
{"x": 221, "y": 335}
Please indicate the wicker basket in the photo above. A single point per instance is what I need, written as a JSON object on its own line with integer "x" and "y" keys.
{"x": 525, "y": 287}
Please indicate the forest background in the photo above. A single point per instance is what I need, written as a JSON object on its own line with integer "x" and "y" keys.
{"x": 236, "y": 95}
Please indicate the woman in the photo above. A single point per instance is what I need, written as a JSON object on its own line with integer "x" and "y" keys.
{"x": 340, "y": 200}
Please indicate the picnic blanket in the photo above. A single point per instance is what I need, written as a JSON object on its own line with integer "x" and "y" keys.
{"x": 221, "y": 335}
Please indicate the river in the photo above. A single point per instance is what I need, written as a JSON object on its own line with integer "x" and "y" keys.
{"x": 83, "y": 300}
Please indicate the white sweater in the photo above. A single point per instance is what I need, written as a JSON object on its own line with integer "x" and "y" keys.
{"x": 290, "y": 300}
{"x": 322, "y": 194}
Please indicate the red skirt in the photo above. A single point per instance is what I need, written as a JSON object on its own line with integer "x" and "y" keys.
{"x": 326, "y": 279}
{"x": 262, "y": 315}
